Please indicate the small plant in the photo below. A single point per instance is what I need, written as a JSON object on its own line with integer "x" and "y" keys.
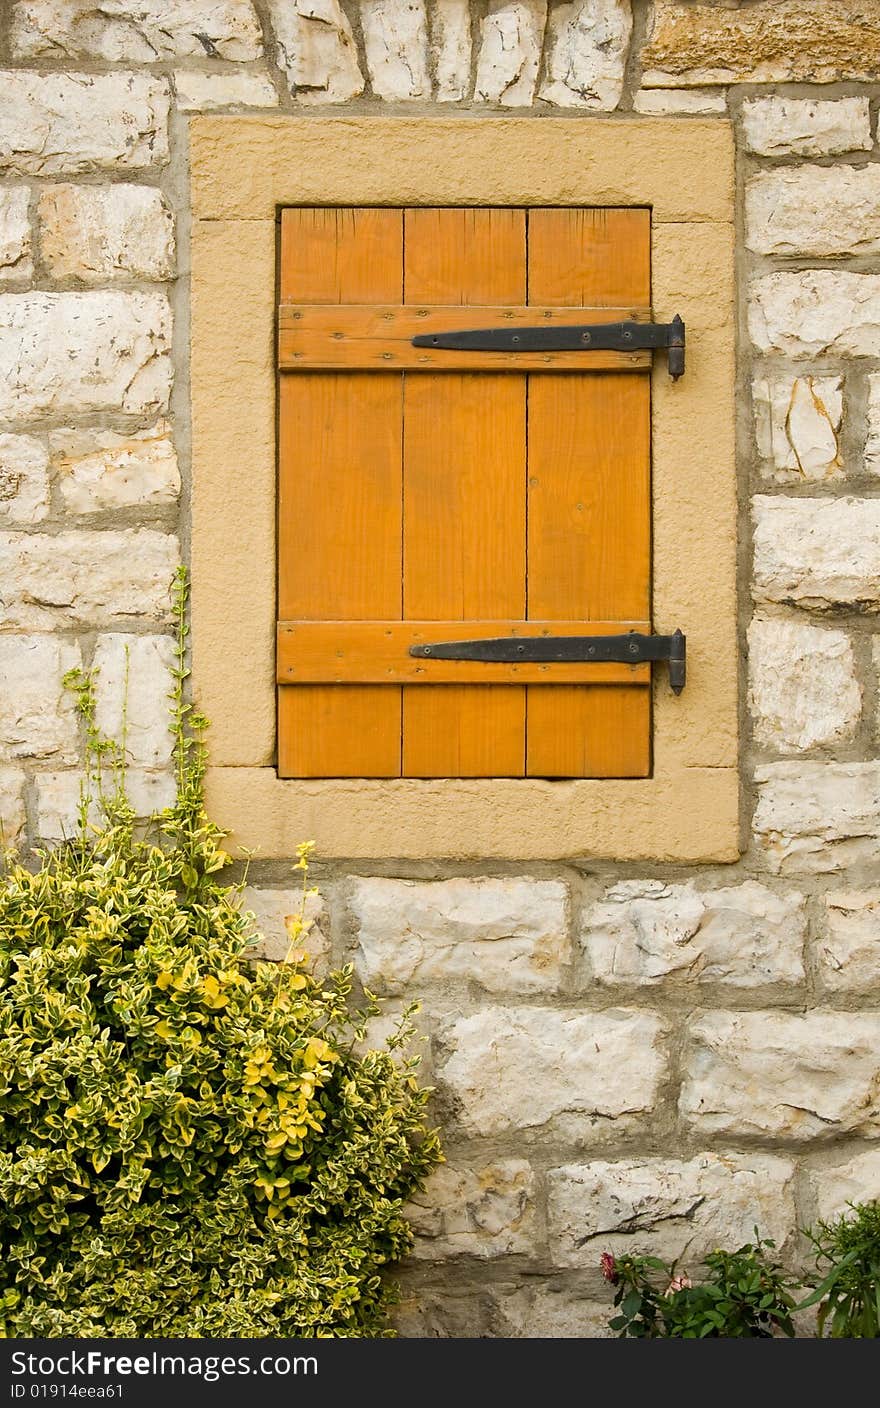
{"x": 189, "y": 1144}
{"x": 746, "y": 1294}
{"x": 848, "y": 1258}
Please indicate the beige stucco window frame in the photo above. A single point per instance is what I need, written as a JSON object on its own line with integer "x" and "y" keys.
{"x": 243, "y": 170}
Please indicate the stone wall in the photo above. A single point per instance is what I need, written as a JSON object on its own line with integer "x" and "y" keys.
{"x": 625, "y": 1056}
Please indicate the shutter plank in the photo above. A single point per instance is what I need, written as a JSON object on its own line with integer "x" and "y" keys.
{"x": 589, "y": 533}
{"x": 464, "y": 502}
{"x": 339, "y": 495}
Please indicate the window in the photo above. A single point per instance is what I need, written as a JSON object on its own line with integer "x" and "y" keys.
{"x": 676, "y": 177}
{"x": 478, "y": 492}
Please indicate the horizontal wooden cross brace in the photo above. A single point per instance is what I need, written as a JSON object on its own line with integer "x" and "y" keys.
{"x": 377, "y": 652}
{"x": 371, "y": 337}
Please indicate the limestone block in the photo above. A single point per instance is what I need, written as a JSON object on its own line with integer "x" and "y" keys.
{"x": 504, "y": 935}
{"x": 98, "y": 469}
{"x": 272, "y": 941}
{"x": 645, "y": 931}
{"x": 396, "y": 47}
{"x": 803, "y": 691}
{"x": 511, "y": 40}
{"x": 814, "y": 210}
{"x": 77, "y": 353}
{"x": 817, "y": 817}
{"x": 785, "y": 41}
{"x": 100, "y": 233}
{"x": 680, "y": 102}
{"x": 587, "y": 47}
{"x": 58, "y": 123}
{"x": 482, "y": 1211}
{"x": 24, "y": 481}
{"x": 451, "y": 41}
{"x": 12, "y": 812}
{"x": 547, "y": 1311}
{"x": 16, "y": 265}
{"x": 797, "y": 427}
{"x": 819, "y": 553}
{"x": 316, "y": 49}
{"x": 668, "y": 1207}
{"x": 855, "y": 1181}
{"x": 579, "y": 1075}
{"x": 815, "y": 312}
{"x": 848, "y": 953}
{"x": 59, "y": 794}
{"x": 205, "y": 92}
{"x": 140, "y": 31}
{"x": 133, "y": 682}
{"x": 85, "y": 578}
{"x": 38, "y": 717}
{"x": 781, "y": 1076}
{"x": 872, "y": 444}
{"x": 806, "y": 126}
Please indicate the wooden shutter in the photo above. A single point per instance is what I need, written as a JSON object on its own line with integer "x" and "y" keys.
{"x": 430, "y": 495}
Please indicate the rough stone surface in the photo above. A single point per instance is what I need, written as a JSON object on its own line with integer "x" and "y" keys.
{"x": 85, "y": 578}
{"x": 504, "y": 935}
{"x": 797, "y": 427}
{"x": 481, "y": 1212}
{"x": 856, "y": 1181}
{"x": 667, "y": 1208}
{"x": 59, "y": 793}
{"x": 511, "y": 39}
{"x": 581, "y": 1073}
{"x": 99, "y": 470}
{"x": 814, "y": 210}
{"x": 316, "y": 49}
{"x": 12, "y": 810}
{"x": 872, "y": 444}
{"x": 816, "y": 311}
{"x": 587, "y": 47}
{"x": 549, "y": 1311}
{"x": 140, "y": 31}
{"x": 693, "y": 102}
{"x": 451, "y": 41}
{"x": 848, "y": 953}
{"x": 396, "y": 46}
{"x": 271, "y": 908}
{"x": 203, "y": 92}
{"x": 24, "y": 481}
{"x": 806, "y": 126}
{"x": 74, "y": 353}
{"x": 56, "y": 123}
{"x": 38, "y": 716}
{"x": 96, "y": 234}
{"x": 776, "y": 1075}
{"x": 645, "y": 931}
{"x": 801, "y": 41}
{"x": 803, "y": 691}
{"x": 133, "y": 682}
{"x": 817, "y": 817}
{"x": 819, "y": 553}
{"x": 16, "y": 265}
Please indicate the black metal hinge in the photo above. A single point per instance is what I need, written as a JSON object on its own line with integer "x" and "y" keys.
{"x": 630, "y": 649}
{"x": 578, "y": 337}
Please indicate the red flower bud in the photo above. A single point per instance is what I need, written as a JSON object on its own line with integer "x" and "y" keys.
{"x": 609, "y": 1268}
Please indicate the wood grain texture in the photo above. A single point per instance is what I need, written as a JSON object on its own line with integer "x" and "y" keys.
{"x": 339, "y": 527}
{"x": 589, "y": 533}
{"x": 315, "y": 337}
{"x": 464, "y": 501}
{"x": 355, "y": 652}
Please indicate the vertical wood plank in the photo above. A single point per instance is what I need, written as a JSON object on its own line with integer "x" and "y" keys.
{"x": 589, "y": 534}
{"x": 464, "y": 499}
{"x": 339, "y": 514}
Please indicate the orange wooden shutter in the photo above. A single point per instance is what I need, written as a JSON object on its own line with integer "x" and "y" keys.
{"x": 427, "y": 496}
